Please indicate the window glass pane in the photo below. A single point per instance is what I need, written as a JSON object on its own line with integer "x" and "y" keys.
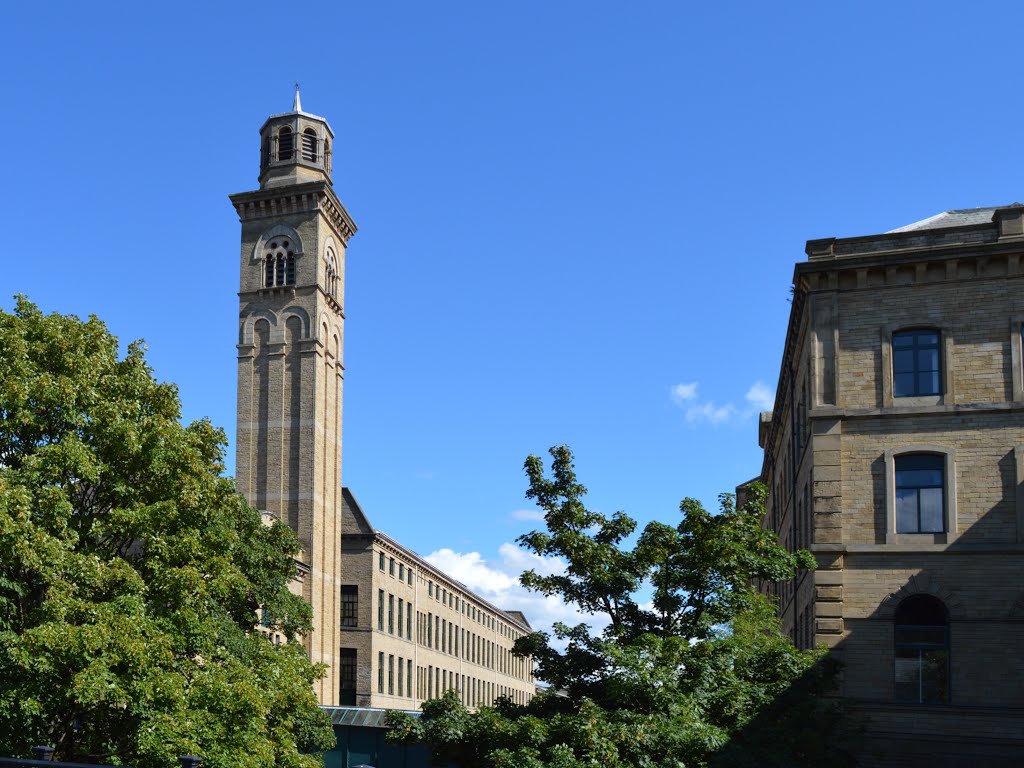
{"x": 920, "y": 636}
{"x": 931, "y": 510}
{"x": 902, "y": 339}
{"x": 903, "y": 384}
{"x": 906, "y": 511}
{"x": 918, "y": 478}
{"x": 907, "y": 676}
{"x": 934, "y": 677}
{"x": 903, "y": 361}
{"x": 928, "y": 383}
{"x": 928, "y": 359}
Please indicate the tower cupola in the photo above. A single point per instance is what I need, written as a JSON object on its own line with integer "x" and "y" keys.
{"x": 295, "y": 147}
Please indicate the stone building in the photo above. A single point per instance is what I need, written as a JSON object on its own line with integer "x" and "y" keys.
{"x": 411, "y": 632}
{"x": 295, "y": 232}
{"x": 895, "y": 453}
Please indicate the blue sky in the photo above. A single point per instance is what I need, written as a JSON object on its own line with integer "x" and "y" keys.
{"x": 578, "y": 221}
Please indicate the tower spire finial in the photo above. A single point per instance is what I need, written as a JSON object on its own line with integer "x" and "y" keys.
{"x": 297, "y": 104}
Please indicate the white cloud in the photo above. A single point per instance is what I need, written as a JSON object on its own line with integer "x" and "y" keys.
{"x": 759, "y": 396}
{"x": 532, "y": 515}
{"x": 682, "y": 393}
{"x": 497, "y": 581}
{"x": 711, "y": 413}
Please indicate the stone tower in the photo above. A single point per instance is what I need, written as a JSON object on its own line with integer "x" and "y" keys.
{"x": 290, "y": 341}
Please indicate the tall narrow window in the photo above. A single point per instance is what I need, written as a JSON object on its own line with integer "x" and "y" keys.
{"x": 348, "y": 677}
{"x": 380, "y": 609}
{"x": 380, "y": 672}
{"x": 920, "y": 482}
{"x": 916, "y": 364}
{"x": 401, "y": 675}
{"x": 921, "y": 673}
{"x": 391, "y": 614}
{"x": 285, "y": 144}
{"x": 391, "y": 675}
{"x": 400, "y": 619}
{"x": 349, "y": 605}
{"x": 309, "y": 145}
{"x": 391, "y": 566}
{"x": 408, "y": 679}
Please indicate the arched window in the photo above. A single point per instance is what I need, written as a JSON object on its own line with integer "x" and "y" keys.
{"x": 331, "y": 274}
{"x": 278, "y": 263}
{"x": 309, "y": 145}
{"x": 285, "y": 144}
{"x": 921, "y": 669}
{"x": 327, "y": 154}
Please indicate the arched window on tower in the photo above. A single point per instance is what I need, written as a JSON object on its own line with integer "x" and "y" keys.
{"x": 278, "y": 263}
{"x": 921, "y": 671}
{"x": 327, "y": 154}
{"x": 285, "y": 144}
{"x": 331, "y": 274}
{"x": 309, "y": 145}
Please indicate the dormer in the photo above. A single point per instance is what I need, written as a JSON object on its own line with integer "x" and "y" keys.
{"x": 295, "y": 148}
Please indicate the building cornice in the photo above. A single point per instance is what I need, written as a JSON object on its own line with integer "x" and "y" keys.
{"x": 296, "y": 198}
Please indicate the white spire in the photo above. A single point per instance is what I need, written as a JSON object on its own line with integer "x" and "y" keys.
{"x": 297, "y": 104}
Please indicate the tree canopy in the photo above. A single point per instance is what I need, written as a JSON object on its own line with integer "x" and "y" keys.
{"x": 695, "y": 674}
{"x": 131, "y": 570}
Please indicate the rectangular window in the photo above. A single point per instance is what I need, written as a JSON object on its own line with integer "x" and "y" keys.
{"x": 408, "y": 679}
{"x": 444, "y": 636}
{"x": 347, "y": 677}
{"x": 401, "y": 675}
{"x": 408, "y": 623}
{"x": 380, "y": 672}
{"x": 401, "y": 571}
{"x": 380, "y": 609}
{"x": 919, "y": 493}
{"x": 401, "y": 619}
{"x": 391, "y": 566}
{"x": 916, "y": 366}
{"x": 430, "y": 631}
{"x": 391, "y": 675}
{"x": 430, "y": 588}
{"x": 381, "y": 561}
{"x": 408, "y": 576}
{"x": 349, "y": 605}
{"x": 430, "y": 681}
{"x": 437, "y": 632}
{"x": 391, "y": 614}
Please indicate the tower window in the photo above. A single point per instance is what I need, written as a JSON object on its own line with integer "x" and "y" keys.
{"x": 309, "y": 145}
{"x": 285, "y": 144}
{"x": 331, "y": 274}
{"x": 278, "y": 263}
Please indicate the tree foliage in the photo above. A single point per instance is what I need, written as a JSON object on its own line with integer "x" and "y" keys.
{"x": 698, "y": 675}
{"x": 131, "y": 571}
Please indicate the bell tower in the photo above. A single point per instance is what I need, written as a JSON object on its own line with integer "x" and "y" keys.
{"x": 290, "y": 373}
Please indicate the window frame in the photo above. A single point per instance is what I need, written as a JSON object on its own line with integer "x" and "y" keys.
{"x": 921, "y": 646}
{"x": 349, "y": 605}
{"x": 947, "y": 392}
{"x": 949, "y": 500}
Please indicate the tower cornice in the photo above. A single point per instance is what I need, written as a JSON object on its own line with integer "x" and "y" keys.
{"x": 296, "y": 198}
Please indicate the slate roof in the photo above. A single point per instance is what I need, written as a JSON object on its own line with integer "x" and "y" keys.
{"x": 960, "y": 217}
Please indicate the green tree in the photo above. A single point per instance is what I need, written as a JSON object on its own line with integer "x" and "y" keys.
{"x": 131, "y": 571}
{"x": 698, "y": 676}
